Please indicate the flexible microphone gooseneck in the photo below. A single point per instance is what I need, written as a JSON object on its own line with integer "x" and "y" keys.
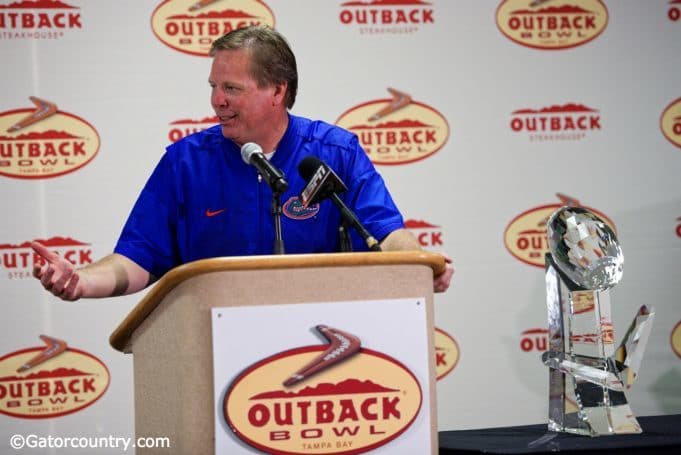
{"x": 323, "y": 183}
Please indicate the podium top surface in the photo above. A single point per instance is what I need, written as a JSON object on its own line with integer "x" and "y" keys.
{"x": 120, "y": 337}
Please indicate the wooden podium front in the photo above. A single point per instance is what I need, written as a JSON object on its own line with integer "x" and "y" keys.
{"x": 169, "y": 331}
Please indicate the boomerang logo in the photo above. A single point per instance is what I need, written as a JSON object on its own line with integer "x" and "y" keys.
{"x": 400, "y": 100}
{"x": 50, "y": 381}
{"x": 44, "y": 142}
{"x": 536, "y": 3}
{"x": 342, "y": 345}
{"x": 398, "y": 130}
{"x": 202, "y": 4}
{"x": 44, "y": 109}
{"x": 53, "y": 349}
{"x": 346, "y": 399}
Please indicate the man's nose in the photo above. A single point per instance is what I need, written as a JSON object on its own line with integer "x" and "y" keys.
{"x": 219, "y": 98}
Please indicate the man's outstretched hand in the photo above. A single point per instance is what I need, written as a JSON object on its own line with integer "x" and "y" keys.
{"x": 57, "y": 275}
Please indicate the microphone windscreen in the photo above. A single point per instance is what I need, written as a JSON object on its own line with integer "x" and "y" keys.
{"x": 308, "y": 166}
{"x": 248, "y": 149}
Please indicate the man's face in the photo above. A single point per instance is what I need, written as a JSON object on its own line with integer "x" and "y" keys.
{"x": 245, "y": 111}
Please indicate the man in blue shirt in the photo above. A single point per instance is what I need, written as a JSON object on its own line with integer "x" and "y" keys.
{"x": 207, "y": 202}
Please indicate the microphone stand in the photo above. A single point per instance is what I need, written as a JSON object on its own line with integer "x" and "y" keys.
{"x": 351, "y": 219}
{"x": 276, "y": 216}
{"x": 344, "y": 243}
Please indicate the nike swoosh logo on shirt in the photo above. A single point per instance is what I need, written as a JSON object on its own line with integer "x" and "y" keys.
{"x": 211, "y": 213}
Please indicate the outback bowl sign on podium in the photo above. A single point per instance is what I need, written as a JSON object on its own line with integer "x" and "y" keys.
{"x": 338, "y": 397}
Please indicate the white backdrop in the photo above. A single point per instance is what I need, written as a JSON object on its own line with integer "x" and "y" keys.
{"x": 103, "y": 64}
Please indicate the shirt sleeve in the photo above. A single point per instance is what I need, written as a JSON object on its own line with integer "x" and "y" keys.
{"x": 148, "y": 236}
{"x": 368, "y": 197}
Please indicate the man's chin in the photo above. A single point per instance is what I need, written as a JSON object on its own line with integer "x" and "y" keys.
{"x": 230, "y": 133}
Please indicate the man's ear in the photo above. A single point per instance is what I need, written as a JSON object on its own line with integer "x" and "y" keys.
{"x": 279, "y": 94}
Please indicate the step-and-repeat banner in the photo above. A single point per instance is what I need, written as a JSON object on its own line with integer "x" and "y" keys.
{"x": 483, "y": 117}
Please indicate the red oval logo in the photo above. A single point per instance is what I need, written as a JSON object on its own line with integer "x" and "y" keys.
{"x": 44, "y": 142}
{"x": 359, "y": 405}
{"x": 397, "y": 130}
{"x": 552, "y": 25}
{"x": 50, "y": 381}
{"x": 190, "y": 26}
{"x": 446, "y": 353}
{"x": 525, "y": 236}
{"x": 670, "y": 122}
{"x": 675, "y": 339}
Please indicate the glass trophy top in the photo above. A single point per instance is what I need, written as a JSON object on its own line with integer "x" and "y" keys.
{"x": 584, "y": 248}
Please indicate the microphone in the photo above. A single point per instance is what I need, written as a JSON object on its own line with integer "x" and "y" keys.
{"x": 323, "y": 183}
{"x": 252, "y": 154}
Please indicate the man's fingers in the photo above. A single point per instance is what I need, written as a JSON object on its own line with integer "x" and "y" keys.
{"x": 442, "y": 282}
{"x": 58, "y": 285}
{"x": 69, "y": 292}
{"x": 37, "y": 271}
{"x": 46, "y": 279}
{"x": 42, "y": 250}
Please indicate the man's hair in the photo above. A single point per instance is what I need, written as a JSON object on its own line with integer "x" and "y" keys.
{"x": 272, "y": 60}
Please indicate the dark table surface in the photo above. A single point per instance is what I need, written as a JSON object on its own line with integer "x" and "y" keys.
{"x": 661, "y": 434}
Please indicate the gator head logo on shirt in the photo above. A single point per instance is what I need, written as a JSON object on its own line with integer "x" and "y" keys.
{"x": 43, "y": 142}
{"x": 190, "y": 26}
{"x": 295, "y": 210}
{"x": 552, "y": 24}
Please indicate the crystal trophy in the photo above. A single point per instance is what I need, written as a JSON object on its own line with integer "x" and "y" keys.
{"x": 587, "y": 375}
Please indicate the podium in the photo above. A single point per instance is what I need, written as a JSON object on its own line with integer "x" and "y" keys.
{"x": 169, "y": 330}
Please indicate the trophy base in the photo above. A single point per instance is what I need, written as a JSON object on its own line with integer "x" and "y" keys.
{"x": 597, "y": 421}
